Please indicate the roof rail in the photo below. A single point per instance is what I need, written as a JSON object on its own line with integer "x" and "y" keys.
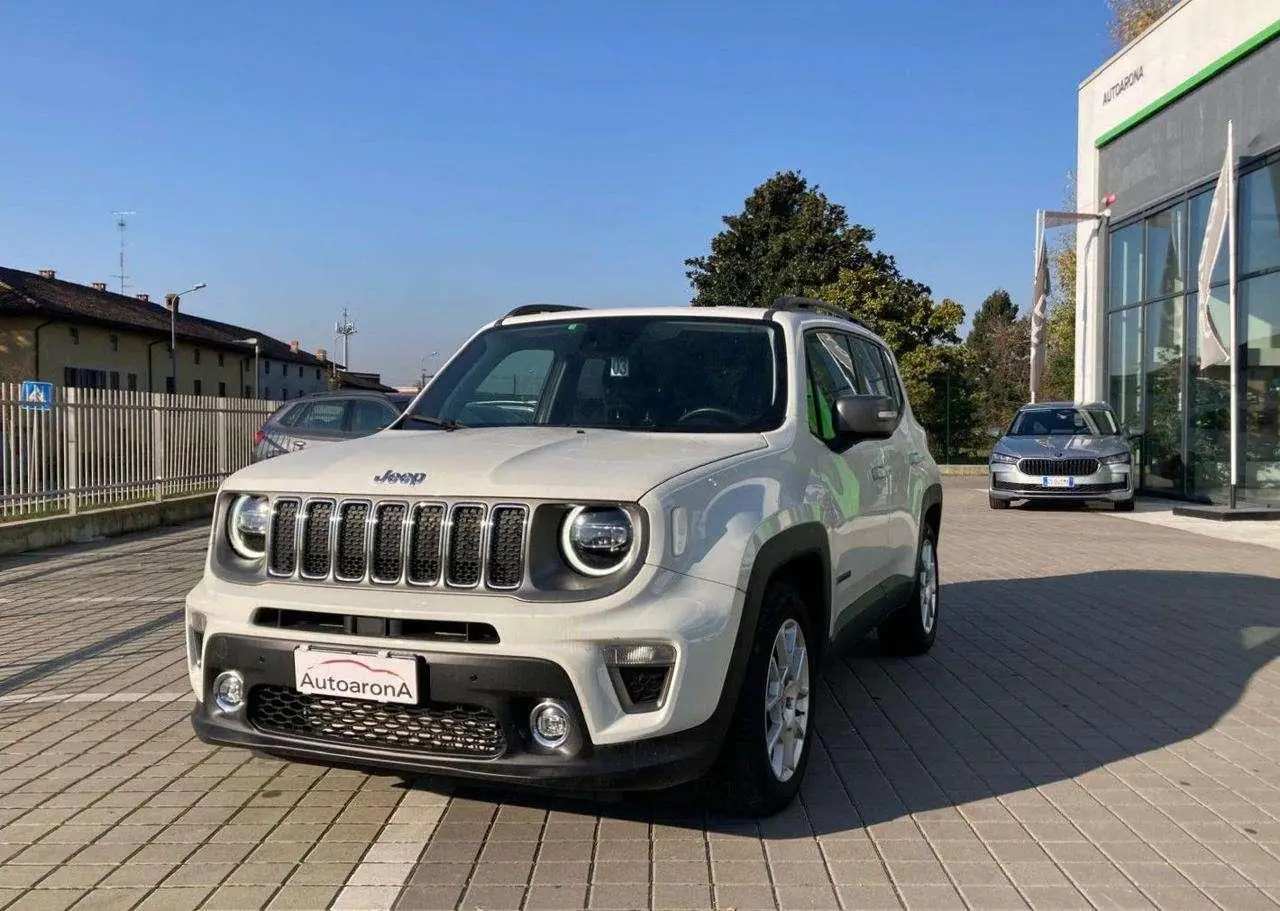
{"x": 790, "y": 304}
{"x": 530, "y": 309}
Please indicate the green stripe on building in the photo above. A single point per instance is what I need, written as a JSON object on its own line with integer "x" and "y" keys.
{"x": 1226, "y": 60}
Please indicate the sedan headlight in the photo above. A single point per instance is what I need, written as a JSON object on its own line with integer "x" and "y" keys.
{"x": 596, "y": 540}
{"x": 247, "y": 526}
{"x": 1119, "y": 458}
{"x": 1004, "y": 458}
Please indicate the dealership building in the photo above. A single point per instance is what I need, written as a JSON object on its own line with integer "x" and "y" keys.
{"x": 1152, "y": 140}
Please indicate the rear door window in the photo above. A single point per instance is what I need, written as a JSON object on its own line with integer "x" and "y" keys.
{"x": 321, "y": 417}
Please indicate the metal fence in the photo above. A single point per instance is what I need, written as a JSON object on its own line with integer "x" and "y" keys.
{"x": 96, "y": 448}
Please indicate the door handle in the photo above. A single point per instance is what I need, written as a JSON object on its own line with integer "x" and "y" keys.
{"x": 879, "y": 472}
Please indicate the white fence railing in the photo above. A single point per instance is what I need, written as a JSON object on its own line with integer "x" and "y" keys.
{"x": 96, "y": 448}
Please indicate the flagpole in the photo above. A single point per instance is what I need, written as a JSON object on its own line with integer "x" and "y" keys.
{"x": 1231, "y": 304}
{"x": 1031, "y": 359}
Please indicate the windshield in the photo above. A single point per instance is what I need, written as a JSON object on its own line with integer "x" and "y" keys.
{"x": 1038, "y": 422}
{"x": 621, "y": 372}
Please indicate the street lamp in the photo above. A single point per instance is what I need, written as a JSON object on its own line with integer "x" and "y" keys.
{"x": 254, "y": 341}
{"x": 423, "y": 364}
{"x": 172, "y": 300}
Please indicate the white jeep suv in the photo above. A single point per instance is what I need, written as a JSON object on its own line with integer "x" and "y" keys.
{"x": 603, "y": 549}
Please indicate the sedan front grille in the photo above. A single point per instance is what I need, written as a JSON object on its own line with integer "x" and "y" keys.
{"x": 1058, "y": 467}
{"x": 460, "y": 545}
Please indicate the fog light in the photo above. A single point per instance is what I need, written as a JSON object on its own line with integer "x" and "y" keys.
{"x": 228, "y": 691}
{"x": 550, "y": 724}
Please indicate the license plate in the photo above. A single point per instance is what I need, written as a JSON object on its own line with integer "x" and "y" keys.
{"x": 373, "y": 678}
{"x": 1052, "y": 481}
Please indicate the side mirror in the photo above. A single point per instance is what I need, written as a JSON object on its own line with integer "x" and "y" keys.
{"x": 866, "y": 417}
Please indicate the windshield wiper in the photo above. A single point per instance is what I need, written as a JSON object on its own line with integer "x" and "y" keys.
{"x": 446, "y": 423}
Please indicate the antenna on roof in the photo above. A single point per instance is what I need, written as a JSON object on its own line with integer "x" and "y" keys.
{"x": 345, "y": 328}
{"x": 121, "y": 224}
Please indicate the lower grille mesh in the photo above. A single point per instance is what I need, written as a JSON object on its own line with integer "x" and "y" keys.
{"x": 447, "y": 730}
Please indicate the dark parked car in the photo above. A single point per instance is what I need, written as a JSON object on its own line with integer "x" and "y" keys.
{"x": 326, "y": 417}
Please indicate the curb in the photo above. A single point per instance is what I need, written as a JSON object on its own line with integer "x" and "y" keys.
{"x": 36, "y": 534}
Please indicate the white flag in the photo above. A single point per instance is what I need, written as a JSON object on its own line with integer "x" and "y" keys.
{"x": 1212, "y": 351}
{"x": 1039, "y": 314}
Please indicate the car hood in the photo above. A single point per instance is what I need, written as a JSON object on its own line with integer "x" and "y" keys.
{"x": 1069, "y": 447}
{"x": 518, "y": 462}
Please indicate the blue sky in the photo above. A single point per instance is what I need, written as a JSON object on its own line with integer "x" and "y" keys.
{"x": 431, "y": 165}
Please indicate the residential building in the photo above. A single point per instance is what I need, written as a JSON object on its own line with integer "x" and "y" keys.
{"x": 87, "y": 336}
{"x": 1152, "y": 142}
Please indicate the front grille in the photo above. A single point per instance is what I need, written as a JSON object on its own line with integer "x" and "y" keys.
{"x": 436, "y": 729}
{"x": 461, "y": 545}
{"x": 377, "y": 627}
{"x": 1058, "y": 467}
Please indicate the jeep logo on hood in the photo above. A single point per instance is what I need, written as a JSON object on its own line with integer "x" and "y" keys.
{"x": 413, "y": 479}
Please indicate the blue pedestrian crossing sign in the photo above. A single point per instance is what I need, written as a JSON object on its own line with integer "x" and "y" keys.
{"x": 36, "y": 396}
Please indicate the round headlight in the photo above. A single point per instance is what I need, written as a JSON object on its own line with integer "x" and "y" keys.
{"x": 596, "y": 539}
{"x": 247, "y": 526}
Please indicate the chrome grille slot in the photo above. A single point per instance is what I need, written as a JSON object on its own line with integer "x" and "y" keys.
{"x": 388, "y": 542}
{"x": 425, "y": 544}
{"x": 317, "y": 530}
{"x": 1058, "y": 467}
{"x": 463, "y": 545}
{"x": 506, "y": 547}
{"x": 466, "y": 546}
{"x": 283, "y": 544}
{"x": 351, "y": 558}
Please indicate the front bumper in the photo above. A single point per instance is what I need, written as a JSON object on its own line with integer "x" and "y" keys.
{"x": 535, "y": 651}
{"x": 493, "y": 692}
{"x": 1110, "y": 482}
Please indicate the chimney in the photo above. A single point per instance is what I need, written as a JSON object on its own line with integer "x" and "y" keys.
{"x": 144, "y": 297}
{"x": 99, "y": 286}
{"x": 293, "y": 346}
{"x": 321, "y": 354}
{"x": 48, "y": 273}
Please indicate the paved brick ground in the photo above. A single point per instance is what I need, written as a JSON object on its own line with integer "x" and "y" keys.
{"x": 1097, "y": 727}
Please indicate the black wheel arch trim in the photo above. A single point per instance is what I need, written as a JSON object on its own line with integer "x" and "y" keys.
{"x": 808, "y": 539}
{"x": 933, "y": 497}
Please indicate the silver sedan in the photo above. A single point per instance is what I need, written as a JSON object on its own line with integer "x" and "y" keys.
{"x": 1062, "y": 451}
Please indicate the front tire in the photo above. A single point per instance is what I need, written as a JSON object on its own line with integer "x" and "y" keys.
{"x": 913, "y": 628}
{"x": 766, "y": 750}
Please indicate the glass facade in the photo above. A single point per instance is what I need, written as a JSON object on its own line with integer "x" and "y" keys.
{"x": 1177, "y": 414}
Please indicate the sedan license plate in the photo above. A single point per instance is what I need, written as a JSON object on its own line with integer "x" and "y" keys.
{"x": 1054, "y": 481}
{"x": 374, "y": 678}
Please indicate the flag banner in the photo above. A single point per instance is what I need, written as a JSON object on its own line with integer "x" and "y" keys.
{"x": 1212, "y": 351}
{"x": 1039, "y": 314}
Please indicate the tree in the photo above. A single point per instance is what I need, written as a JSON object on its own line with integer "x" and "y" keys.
{"x": 999, "y": 347}
{"x": 788, "y": 239}
{"x": 1130, "y": 18}
{"x": 1059, "y": 378}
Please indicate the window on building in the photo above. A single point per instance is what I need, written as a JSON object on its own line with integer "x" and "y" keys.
{"x": 317, "y": 373}
{"x": 84, "y": 378}
{"x": 266, "y": 366}
{"x": 284, "y": 393}
{"x": 114, "y": 342}
{"x": 1162, "y": 390}
{"x": 248, "y": 392}
{"x": 75, "y": 335}
{"x": 1166, "y": 252}
{"x": 299, "y": 371}
{"x": 114, "y": 381}
{"x": 1124, "y": 350}
{"x": 69, "y": 376}
{"x": 1199, "y": 220}
{"x": 196, "y": 354}
{"x": 221, "y": 359}
{"x": 1260, "y": 220}
{"x": 1259, "y": 300}
{"x": 197, "y": 387}
{"x": 1125, "y": 267}
{"x": 132, "y": 382}
{"x": 266, "y": 392}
